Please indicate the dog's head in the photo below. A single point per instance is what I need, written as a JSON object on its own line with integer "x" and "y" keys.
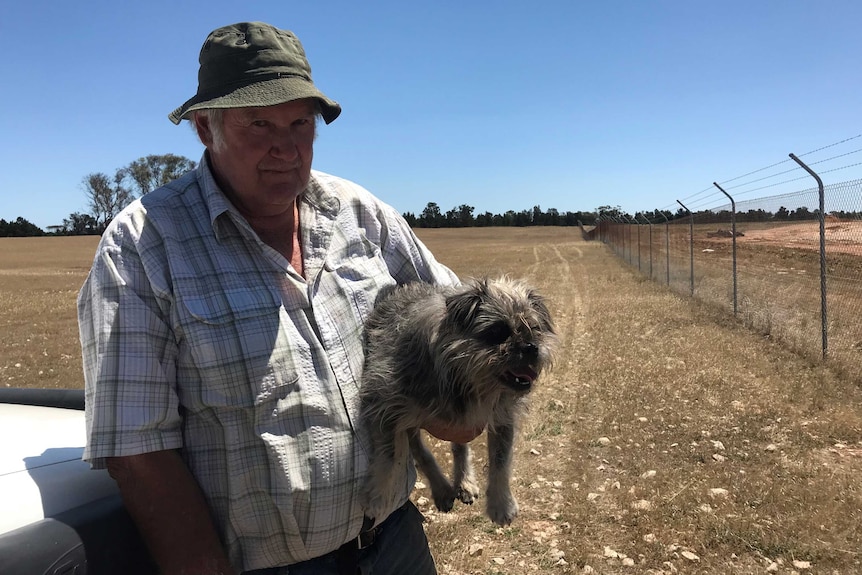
{"x": 502, "y": 329}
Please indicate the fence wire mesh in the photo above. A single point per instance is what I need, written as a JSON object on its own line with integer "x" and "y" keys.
{"x": 763, "y": 263}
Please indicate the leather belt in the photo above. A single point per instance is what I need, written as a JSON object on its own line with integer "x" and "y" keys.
{"x": 366, "y": 538}
{"x": 347, "y": 556}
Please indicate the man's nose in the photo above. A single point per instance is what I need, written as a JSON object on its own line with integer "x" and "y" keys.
{"x": 284, "y": 145}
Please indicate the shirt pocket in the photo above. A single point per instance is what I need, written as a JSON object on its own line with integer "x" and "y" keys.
{"x": 228, "y": 338}
{"x": 360, "y": 272}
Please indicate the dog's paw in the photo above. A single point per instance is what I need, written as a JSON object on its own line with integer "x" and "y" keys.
{"x": 468, "y": 492}
{"x": 444, "y": 498}
{"x": 375, "y": 504}
{"x": 502, "y": 510}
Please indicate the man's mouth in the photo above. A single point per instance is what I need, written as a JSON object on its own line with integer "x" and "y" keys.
{"x": 280, "y": 169}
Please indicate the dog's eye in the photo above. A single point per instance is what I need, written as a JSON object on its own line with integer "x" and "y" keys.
{"x": 497, "y": 333}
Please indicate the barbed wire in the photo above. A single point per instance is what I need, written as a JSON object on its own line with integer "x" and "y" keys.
{"x": 830, "y": 146}
{"x": 796, "y": 168}
{"x": 696, "y": 200}
{"x": 844, "y": 141}
{"x": 805, "y": 177}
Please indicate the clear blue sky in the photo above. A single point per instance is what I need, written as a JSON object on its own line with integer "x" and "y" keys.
{"x": 499, "y": 105}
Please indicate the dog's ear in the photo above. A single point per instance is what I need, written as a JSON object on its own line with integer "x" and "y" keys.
{"x": 463, "y": 307}
{"x": 537, "y": 302}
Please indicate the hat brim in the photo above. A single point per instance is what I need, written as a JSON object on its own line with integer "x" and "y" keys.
{"x": 266, "y": 93}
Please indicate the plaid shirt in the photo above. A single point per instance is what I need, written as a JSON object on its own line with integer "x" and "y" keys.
{"x": 198, "y": 336}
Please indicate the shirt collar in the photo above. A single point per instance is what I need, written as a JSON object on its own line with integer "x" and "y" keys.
{"x": 218, "y": 205}
{"x": 319, "y": 196}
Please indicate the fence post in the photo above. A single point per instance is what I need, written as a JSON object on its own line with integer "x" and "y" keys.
{"x": 666, "y": 246}
{"x": 690, "y": 246}
{"x": 627, "y": 232}
{"x": 620, "y": 237}
{"x": 733, "y": 234}
{"x": 629, "y": 228}
{"x": 649, "y": 223}
{"x": 822, "y": 208}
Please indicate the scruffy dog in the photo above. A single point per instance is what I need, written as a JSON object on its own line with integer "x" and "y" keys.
{"x": 467, "y": 356}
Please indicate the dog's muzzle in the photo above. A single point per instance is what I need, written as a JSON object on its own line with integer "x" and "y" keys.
{"x": 520, "y": 379}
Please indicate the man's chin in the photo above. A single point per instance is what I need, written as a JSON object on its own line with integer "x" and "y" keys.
{"x": 284, "y": 182}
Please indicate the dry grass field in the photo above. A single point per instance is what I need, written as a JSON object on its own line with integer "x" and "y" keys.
{"x": 39, "y": 281}
{"x": 667, "y": 438}
{"x": 779, "y": 291}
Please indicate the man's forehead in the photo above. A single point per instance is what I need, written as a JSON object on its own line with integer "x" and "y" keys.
{"x": 296, "y": 107}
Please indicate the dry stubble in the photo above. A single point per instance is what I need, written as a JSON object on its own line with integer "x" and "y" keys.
{"x": 39, "y": 283}
{"x": 666, "y": 438}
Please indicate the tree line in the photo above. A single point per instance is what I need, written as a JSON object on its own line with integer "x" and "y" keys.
{"x": 107, "y": 195}
{"x": 462, "y": 217}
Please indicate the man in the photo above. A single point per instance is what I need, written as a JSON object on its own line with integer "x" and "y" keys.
{"x": 221, "y": 329}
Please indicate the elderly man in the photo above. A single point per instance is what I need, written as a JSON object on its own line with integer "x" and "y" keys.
{"x": 221, "y": 328}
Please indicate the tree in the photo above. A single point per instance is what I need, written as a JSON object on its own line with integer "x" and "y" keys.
{"x": 431, "y": 216}
{"x": 538, "y": 217}
{"x": 78, "y": 224}
{"x": 485, "y": 220}
{"x": 107, "y": 196}
{"x": 19, "y": 228}
{"x": 154, "y": 171}
{"x": 465, "y": 215}
{"x": 608, "y": 212}
{"x": 523, "y": 218}
{"x": 451, "y": 219}
{"x": 802, "y": 213}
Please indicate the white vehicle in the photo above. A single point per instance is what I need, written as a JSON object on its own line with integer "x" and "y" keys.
{"x": 57, "y": 516}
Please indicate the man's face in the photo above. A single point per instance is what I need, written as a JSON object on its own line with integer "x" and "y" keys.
{"x": 264, "y": 159}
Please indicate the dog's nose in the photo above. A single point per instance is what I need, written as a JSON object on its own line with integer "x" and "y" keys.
{"x": 529, "y": 349}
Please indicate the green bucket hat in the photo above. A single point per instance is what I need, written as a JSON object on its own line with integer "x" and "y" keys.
{"x": 253, "y": 64}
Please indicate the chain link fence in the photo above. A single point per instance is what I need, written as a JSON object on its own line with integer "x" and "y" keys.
{"x": 774, "y": 262}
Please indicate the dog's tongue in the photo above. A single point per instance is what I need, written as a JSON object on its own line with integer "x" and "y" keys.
{"x": 524, "y": 375}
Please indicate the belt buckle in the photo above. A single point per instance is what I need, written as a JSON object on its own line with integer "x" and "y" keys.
{"x": 366, "y": 538}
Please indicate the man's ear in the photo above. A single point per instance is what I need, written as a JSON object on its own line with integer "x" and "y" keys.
{"x": 202, "y": 127}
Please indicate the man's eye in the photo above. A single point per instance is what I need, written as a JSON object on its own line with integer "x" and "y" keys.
{"x": 259, "y": 123}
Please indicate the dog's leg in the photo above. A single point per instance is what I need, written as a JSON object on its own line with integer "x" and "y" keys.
{"x": 387, "y": 448}
{"x": 441, "y": 489}
{"x": 463, "y": 476}
{"x": 501, "y": 506}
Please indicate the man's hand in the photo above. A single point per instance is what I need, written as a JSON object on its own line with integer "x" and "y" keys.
{"x": 449, "y": 432}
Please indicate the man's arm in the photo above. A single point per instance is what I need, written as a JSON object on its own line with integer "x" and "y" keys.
{"x": 170, "y": 511}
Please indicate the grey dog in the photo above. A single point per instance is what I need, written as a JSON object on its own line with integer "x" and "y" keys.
{"x": 465, "y": 356}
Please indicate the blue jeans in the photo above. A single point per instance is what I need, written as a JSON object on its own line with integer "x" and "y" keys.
{"x": 400, "y": 547}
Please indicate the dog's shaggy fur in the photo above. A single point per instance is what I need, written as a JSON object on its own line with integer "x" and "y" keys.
{"x": 464, "y": 356}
